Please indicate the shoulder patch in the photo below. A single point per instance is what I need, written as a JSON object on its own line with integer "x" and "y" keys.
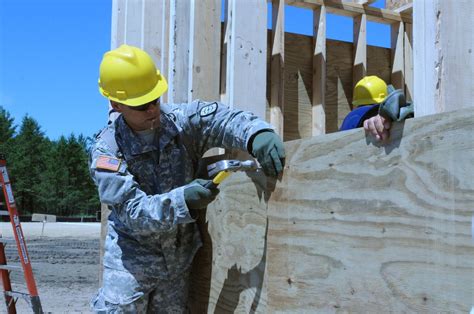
{"x": 172, "y": 116}
{"x": 208, "y": 110}
{"x": 108, "y": 163}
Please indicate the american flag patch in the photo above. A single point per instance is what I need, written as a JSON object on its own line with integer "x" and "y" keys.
{"x": 108, "y": 163}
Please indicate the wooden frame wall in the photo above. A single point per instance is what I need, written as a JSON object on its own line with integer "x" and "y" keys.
{"x": 184, "y": 42}
{"x": 401, "y": 56}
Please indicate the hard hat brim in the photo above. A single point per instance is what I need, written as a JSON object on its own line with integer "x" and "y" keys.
{"x": 160, "y": 88}
{"x": 362, "y": 102}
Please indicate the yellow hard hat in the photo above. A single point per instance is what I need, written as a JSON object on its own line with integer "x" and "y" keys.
{"x": 369, "y": 90}
{"x": 128, "y": 75}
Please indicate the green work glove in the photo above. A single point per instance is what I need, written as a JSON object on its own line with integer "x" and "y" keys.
{"x": 197, "y": 196}
{"x": 268, "y": 148}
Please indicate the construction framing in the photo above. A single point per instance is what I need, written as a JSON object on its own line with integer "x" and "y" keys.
{"x": 352, "y": 225}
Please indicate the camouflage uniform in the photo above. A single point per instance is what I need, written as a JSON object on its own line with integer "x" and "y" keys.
{"x": 151, "y": 237}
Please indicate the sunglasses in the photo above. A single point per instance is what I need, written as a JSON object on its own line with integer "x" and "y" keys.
{"x": 146, "y": 106}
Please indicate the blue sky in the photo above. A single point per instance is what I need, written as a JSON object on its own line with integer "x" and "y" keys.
{"x": 50, "y": 51}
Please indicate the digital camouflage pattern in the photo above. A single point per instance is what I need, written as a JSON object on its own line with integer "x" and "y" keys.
{"x": 152, "y": 237}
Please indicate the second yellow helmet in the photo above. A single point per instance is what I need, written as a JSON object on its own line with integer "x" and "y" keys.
{"x": 369, "y": 90}
{"x": 128, "y": 75}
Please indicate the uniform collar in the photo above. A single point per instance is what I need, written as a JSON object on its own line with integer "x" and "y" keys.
{"x": 130, "y": 141}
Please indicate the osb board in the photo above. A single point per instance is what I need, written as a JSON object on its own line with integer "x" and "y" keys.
{"x": 338, "y": 83}
{"x": 359, "y": 227}
{"x": 298, "y": 86}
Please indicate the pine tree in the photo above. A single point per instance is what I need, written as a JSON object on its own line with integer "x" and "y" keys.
{"x": 7, "y": 130}
{"x": 28, "y": 165}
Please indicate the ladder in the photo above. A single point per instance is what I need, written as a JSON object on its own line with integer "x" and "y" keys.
{"x": 32, "y": 297}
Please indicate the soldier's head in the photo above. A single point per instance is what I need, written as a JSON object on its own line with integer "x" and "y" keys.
{"x": 129, "y": 79}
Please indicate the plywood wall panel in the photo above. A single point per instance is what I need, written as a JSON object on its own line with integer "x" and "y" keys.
{"x": 359, "y": 227}
{"x": 237, "y": 234}
{"x": 352, "y": 226}
{"x": 379, "y": 62}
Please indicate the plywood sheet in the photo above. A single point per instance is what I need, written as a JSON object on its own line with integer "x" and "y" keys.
{"x": 359, "y": 227}
{"x": 229, "y": 272}
{"x": 352, "y": 226}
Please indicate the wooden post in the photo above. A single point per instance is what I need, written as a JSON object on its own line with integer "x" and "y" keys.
{"x": 246, "y": 47}
{"x": 319, "y": 72}
{"x": 277, "y": 65}
{"x": 360, "y": 48}
{"x": 205, "y": 53}
{"x": 179, "y": 50}
{"x": 398, "y": 63}
{"x": 408, "y": 59}
{"x": 443, "y": 55}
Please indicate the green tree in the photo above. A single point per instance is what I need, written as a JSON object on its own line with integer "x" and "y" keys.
{"x": 69, "y": 181}
{"x": 28, "y": 160}
{"x": 7, "y": 130}
{"x": 53, "y": 187}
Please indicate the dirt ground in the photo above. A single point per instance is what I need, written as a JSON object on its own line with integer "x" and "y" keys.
{"x": 65, "y": 263}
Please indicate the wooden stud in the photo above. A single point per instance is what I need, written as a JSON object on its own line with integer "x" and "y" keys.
{"x": 408, "y": 60}
{"x": 319, "y": 72}
{"x": 179, "y": 50}
{"x": 398, "y": 63}
{"x": 164, "y": 39}
{"x": 134, "y": 23}
{"x": 205, "y": 57}
{"x": 354, "y": 9}
{"x": 360, "y": 48}
{"x": 118, "y": 23}
{"x": 246, "y": 48}
{"x": 277, "y": 65}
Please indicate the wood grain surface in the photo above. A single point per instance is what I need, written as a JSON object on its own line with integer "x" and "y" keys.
{"x": 352, "y": 226}
{"x": 359, "y": 227}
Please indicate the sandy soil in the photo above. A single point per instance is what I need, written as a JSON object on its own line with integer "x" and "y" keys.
{"x": 65, "y": 263}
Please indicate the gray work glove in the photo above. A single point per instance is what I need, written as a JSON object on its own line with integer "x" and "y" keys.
{"x": 395, "y": 107}
{"x": 197, "y": 196}
{"x": 268, "y": 148}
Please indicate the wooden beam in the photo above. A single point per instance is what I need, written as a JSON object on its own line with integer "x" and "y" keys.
{"x": 165, "y": 40}
{"x": 398, "y": 63}
{"x": 443, "y": 55}
{"x": 179, "y": 51}
{"x": 277, "y": 66}
{"x": 206, "y": 52}
{"x": 246, "y": 48}
{"x": 405, "y": 9}
{"x": 319, "y": 72}
{"x": 362, "y": 2}
{"x": 353, "y": 9}
{"x": 408, "y": 60}
{"x": 394, "y": 5}
{"x": 118, "y": 24}
{"x": 360, "y": 48}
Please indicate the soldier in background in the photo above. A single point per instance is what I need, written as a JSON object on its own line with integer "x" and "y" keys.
{"x": 144, "y": 165}
{"x": 376, "y": 105}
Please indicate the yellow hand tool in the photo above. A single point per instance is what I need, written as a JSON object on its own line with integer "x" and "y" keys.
{"x": 224, "y": 168}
